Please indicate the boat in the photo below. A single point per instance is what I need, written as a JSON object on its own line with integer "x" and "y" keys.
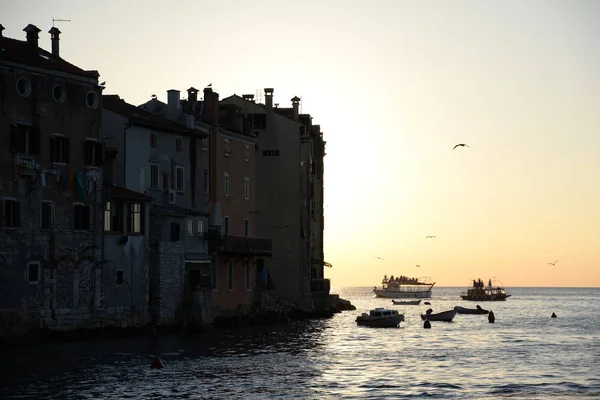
{"x": 407, "y": 302}
{"x": 446, "y": 316}
{"x": 380, "y": 318}
{"x": 480, "y": 292}
{"x": 463, "y": 310}
{"x": 404, "y": 288}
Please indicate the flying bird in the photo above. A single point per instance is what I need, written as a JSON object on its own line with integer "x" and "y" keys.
{"x": 209, "y": 85}
{"x": 432, "y": 237}
{"x": 554, "y": 263}
{"x": 379, "y": 258}
{"x": 103, "y": 83}
{"x": 418, "y": 266}
{"x": 461, "y": 144}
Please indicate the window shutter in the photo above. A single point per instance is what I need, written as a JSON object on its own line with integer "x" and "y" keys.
{"x": 13, "y": 137}
{"x": 66, "y": 150}
{"x": 16, "y": 214}
{"x": 98, "y": 148}
{"x": 88, "y": 153}
{"x": 34, "y": 141}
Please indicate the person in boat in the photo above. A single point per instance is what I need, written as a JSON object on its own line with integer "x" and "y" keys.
{"x": 478, "y": 307}
{"x": 490, "y": 283}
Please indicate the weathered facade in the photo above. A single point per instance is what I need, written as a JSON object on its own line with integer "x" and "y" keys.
{"x": 50, "y": 190}
{"x": 162, "y": 158}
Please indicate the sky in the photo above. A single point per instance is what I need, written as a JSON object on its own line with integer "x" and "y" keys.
{"x": 394, "y": 85}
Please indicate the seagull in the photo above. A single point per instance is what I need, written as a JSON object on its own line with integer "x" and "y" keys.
{"x": 418, "y": 266}
{"x": 461, "y": 144}
{"x": 428, "y": 237}
{"x": 554, "y": 263}
{"x": 209, "y": 85}
{"x": 379, "y": 258}
{"x": 103, "y": 83}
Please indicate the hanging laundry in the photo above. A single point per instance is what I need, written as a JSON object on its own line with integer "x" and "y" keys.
{"x": 43, "y": 178}
{"x": 79, "y": 186}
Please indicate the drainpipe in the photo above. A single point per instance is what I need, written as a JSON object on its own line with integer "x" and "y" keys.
{"x": 128, "y": 125}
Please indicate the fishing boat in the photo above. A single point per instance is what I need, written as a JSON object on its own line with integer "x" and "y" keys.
{"x": 407, "y": 302}
{"x": 404, "y": 287}
{"x": 464, "y": 310}
{"x": 480, "y": 292}
{"x": 446, "y": 316}
{"x": 380, "y": 318}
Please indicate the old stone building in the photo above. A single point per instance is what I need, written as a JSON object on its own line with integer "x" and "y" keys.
{"x": 50, "y": 186}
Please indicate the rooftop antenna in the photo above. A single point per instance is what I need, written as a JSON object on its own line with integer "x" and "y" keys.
{"x": 59, "y": 20}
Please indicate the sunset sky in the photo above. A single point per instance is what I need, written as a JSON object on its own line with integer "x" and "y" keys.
{"x": 394, "y": 85}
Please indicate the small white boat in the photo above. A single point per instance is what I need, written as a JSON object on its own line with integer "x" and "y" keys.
{"x": 446, "y": 316}
{"x": 380, "y": 318}
{"x": 406, "y": 303}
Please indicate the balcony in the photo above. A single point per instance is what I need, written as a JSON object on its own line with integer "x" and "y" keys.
{"x": 320, "y": 285}
{"x": 241, "y": 245}
{"x": 27, "y": 166}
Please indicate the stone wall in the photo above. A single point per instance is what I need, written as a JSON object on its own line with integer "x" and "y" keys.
{"x": 167, "y": 283}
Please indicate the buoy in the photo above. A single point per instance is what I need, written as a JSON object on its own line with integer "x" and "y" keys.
{"x": 156, "y": 363}
{"x": 491, "y": 317}
{"x": 427, "y": 324}
{"x": 553, "y": 315}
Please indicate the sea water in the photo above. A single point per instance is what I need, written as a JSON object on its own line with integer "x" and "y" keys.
{"x": 525, "y": 354}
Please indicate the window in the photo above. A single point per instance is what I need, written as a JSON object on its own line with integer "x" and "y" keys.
{"x": 227, "y": 147}
{"x": 59, "y": 94}
{"x": 248, "y": 275}
{"x": 154, "y": 175}
{"x": 134, "y": 220}
{"x": 92, "y": 153}
{"x": 46, "y": 215}
{"x": 226, "y": 226}
{"x": 120, "y": 277}
{"x": 24, "y": 139}
{"x": 175, "y": 232}
{"x": 271, "y": 153}
{"x": 165, "y": 181}
{"x": 195, "y": 279}
{"x": 205, "y": 144}
{"x": 179, "y": 178}
{"x": 246, "y": 188}
{"x": 179, "y": 144}
{"x": 246, "y": 227}
{"x": 23, "y": 87}
{"x": 215, "y": 277}
{"x": 59, "y": 148}
{"x": 191, "y": 227}
{"x": 33, "y": 272}
{"x": 205, "y": 276}
{"x": 81, "y": 217}
{"x": 226, "y": 184}
{"x": 10, "y": 213}
{"x": 92, "y": 100}
{"x": 200, "y": 227}
{"x": 206, "y": 181}
{"x": 247, "y": 153}
{"x": 259, "y": 121}
{"x": 153, "y": 140}
{"x": 113, "y": 217}
{"x": 230, "y": 275}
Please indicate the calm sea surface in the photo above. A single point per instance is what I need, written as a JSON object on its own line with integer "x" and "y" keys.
{"x": 525, "y": 355}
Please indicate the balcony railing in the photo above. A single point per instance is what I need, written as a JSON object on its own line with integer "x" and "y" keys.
{"x": 27, "y": 166}
{"x": 320, "y": 285}
{"x": 242, "y": 245}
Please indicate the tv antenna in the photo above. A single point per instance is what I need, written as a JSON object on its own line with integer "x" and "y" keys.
{"x": 59, "y": 20}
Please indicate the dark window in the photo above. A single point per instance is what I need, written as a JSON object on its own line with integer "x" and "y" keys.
{"x": 134, "y": 218}
{"x": 81, "y": 217}
{"x": 259, "y": 121}
{"x": 179, "y": 178}
{"x": 246, "y": 227}
{"x": 175, "y": 232}
{"x": 154, "y": 175}
{"x": 120, "y": 276}
{"x": 33, "y": 272}
{"x": 10, "y": 213}
{"x": 24, "y": 139}
{"x": 195, "y": 279}
{"x": 113, "y": 217}
{"x": 92, "y": 153}
{"x": 59, "y": 148}
{"x": 226, "y": 226}
{"x": 230, "y": 276}
{"x": 46, "y": 215}
{"x": 271, "y": 153}
{"x": 165, "y": 179}
{"x": 214, "y": 276}
{"x": 206, "y": 181}
{"x": 153, "y": 140}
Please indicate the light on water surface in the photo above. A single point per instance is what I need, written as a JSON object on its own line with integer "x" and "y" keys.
{"x": 525, "y": 354}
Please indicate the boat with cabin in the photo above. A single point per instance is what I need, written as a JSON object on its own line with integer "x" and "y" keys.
{"x": 403, "y": 287}
{"x": 481, "y": 292}
{"x": 380, "y": 318}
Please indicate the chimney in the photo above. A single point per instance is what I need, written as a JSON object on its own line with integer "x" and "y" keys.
{"x": 216, "y": 113}
{"x": 295, "y": 107}
{"x": 54, "y": 32}
{"x": 269, "y": 99}
{"x": 1, "y": 29}
{"x": 211, "y": 106}
{"x": 249, "y": 97}
{"x": 173, "y": 103}
{"x": 32, "y": 35}
{"x": 193, "y": 96}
